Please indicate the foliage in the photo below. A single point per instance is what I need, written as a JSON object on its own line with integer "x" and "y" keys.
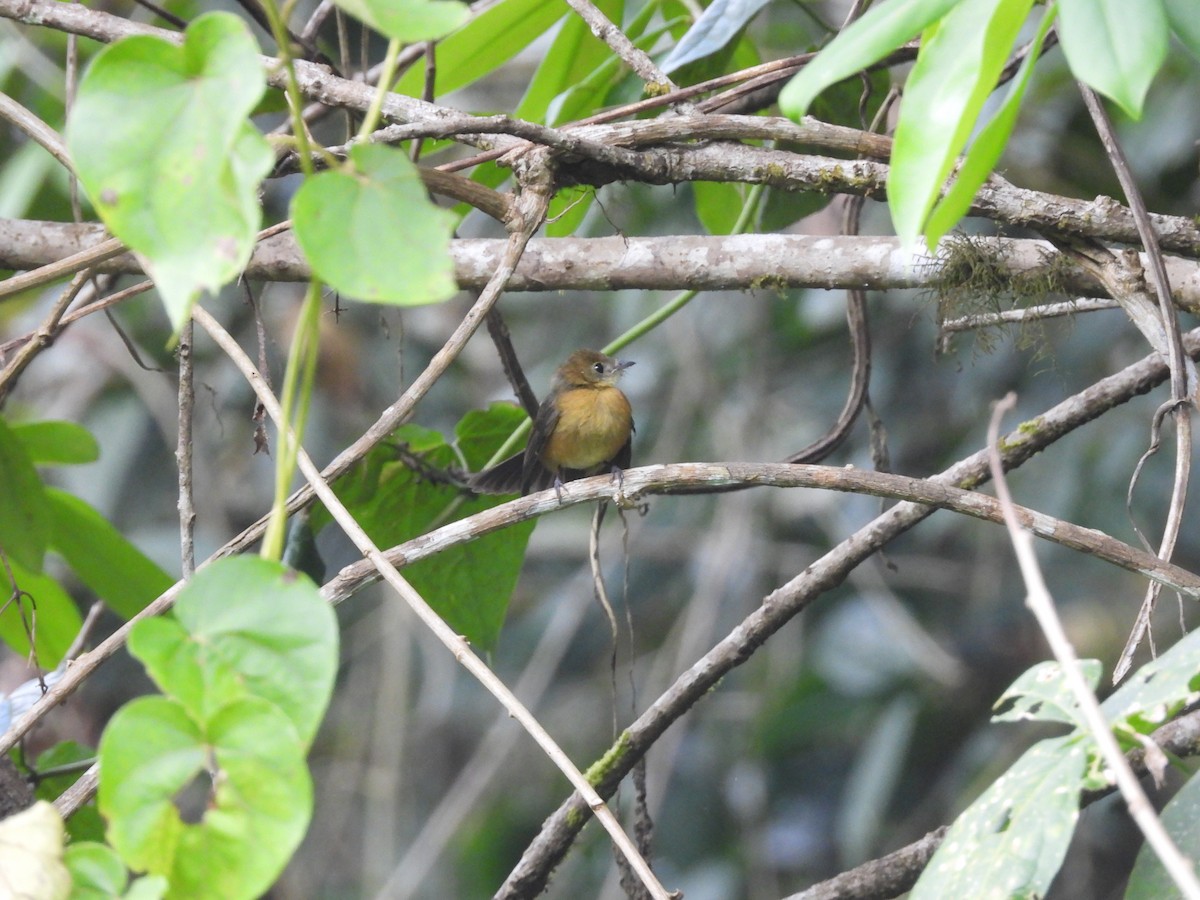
{"x": 1013, "y": 838}
{"x": 1115, "y": 47}
{"x": 246, "y": 667}
{"x": 795, "y": 764}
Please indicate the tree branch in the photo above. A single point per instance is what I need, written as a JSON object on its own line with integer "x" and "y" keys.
{"x": 676, "y": 262}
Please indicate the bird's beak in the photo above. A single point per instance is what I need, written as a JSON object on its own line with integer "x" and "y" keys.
{"x": 623, "y": 364}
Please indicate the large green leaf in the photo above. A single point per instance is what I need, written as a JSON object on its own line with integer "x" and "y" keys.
{"x": 987, "y": 146}
{"x": 1012, "y": 840}
{"x": 1115, "y": 46}
{"x": 572, "y": 59}
{"x": 867, "y": 40}
{"x": 469, "y": 585}
{"x": 103, "y": 558}
{"x": 161, "y": 141}
{"x": 245, "y": 626}
{"x": 97, "y": 873}
{"x": 1181, "y": 817}
{"x": 958, "y": 66}
{"x": 485, "y": 43}
{"x": 408, "y": 20}
{"x": 24, "y": 525}
{"x": 1185, "y": 24}
{"x": 57, "y": 443}
{"x": 260, "y": 803}
{"x": 373, "y": 233}
{"x": 1043, "y": 694}
{"x": 43, "y": 606}
{"x": 1159, "y": 689}
{"x": 718, "y": 205}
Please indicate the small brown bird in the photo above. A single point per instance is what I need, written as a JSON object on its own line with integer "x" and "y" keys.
{"x": 583, "y": 427}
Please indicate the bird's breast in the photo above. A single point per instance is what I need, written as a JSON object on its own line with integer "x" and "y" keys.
{"x": 593, "y": 425}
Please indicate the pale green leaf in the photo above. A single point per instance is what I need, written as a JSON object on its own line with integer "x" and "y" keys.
{"x": 957, "y": 68}
{"x": 408, "y": 20}
{"x": 1115, "y": 46}
{"x": 162, "y": 143}
{"x": 882, "y": 29}
{"x": 373, "y": 233}
{"x": 1012, "y": 840}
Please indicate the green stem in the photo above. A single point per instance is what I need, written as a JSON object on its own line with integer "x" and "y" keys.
{"x": 302, "y": 358}
{"x": 386, "y": 74}
{"x": 295, "y": 98}
{"x": 295, "y": 398}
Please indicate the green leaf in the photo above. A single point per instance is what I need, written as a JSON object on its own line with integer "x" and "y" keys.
{"x": 245, "y": 625}
{"x": 574, "y": 57}
{"x": 408, "y": 20}
{"x": 24, "y": 524}
{"x": 1181, "y": 14}
{"x": 568, "y": 208}
{"x": 468, "y": 585}
{"x": 718, "y": 205}
{"x": 373, "y": 233}
{"x": 1043, "y": 694}
{"x": 714, "y": 30}
{"x": 1012, "y": 840}
{"x": 47, "y": 608}
{"x": 96, "y": 871}
{"x": 957, "y": 68}
{"x": 1159, "y": 689}
{"x": 1181, "y": 817}
{"x": 867, "y": 40}
{"x": 1115, "y": 46}
{"x": 259, "y": 804}
{"x": 160, "y": 138}
{"x": 987, "y": 146}
{"x": 484, "y": 44}
{"x": 102, "y": 558}
{"x": 57, "y": 443}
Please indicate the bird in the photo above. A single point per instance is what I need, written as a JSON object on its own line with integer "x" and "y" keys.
{"x": 583, "y": 427}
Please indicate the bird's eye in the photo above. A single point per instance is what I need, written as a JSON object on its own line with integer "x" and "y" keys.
{"x": 598, "y": 368}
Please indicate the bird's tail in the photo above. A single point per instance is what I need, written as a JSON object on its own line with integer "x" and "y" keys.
{"x": 502, "y": 478}
{"x": 506, "y": 476}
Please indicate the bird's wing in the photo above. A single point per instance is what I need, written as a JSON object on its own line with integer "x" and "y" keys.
{"x": 543, "y": 426}
{"x": 624, "y": 457}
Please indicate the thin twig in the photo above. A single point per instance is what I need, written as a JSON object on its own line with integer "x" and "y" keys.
{"x": 1028, "y": 314}
{"x": 638, "y": 60}
{"x": 645, "y": 481}
{"x": 183, "y": 454}
{"x": 1184, "y": 385}
{"x": 43, "y": 337}
{"x": 1041, "y": 604}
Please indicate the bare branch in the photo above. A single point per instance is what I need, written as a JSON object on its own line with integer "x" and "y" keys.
{"x": 645, "y": 481}
{"x": 676, "y": 262}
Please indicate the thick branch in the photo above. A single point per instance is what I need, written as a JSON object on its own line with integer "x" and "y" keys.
{"x": 604, "y": 159}
{"x": 676, "y": 262}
